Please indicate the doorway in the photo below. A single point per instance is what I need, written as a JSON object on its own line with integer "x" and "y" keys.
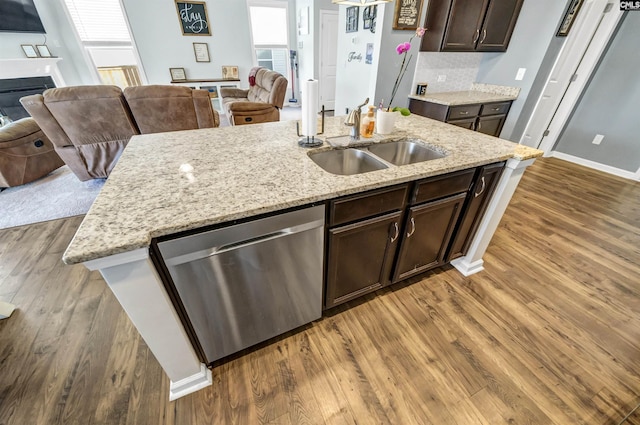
{"x": 328, "y": 59}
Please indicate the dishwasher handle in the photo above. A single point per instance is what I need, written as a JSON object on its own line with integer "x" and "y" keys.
{"x": 216, "y": 250}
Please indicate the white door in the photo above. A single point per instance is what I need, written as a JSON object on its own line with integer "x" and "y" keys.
{"x": 328, "y": 58}
{"x": 562, "y": 74}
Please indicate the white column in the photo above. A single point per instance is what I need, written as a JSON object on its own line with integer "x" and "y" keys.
{"x": 133, "y": 279}
{"x": 472, "y": 262}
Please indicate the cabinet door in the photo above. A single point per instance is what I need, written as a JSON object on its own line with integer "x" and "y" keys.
{"x": 468, "y": 123}
{"x": 427, "y": 232}
{"x": 360, "y": 257}
{"x": 475, "y": 207}
{"x": 463, "y": 28}
{"x": 491, "y": 125}
{"x": 498, "y": 25}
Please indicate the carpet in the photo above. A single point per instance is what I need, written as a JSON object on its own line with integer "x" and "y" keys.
{"x": 57, "y": 195}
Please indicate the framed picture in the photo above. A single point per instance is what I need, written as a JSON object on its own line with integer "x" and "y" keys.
{"x": 407, "y": 15}
{"x": 201, "y": 51}
{"x": 193, "y": 17}
{"x": 569, "y": 17}
{"x": 368, "y": 57}
{"x": 29, "y": 50}
{"x": 43, "y": 51}
{"x": 230, "y": 72}
{"x": 369, "y": 18}
{"x": 303, "y": 21}
{"x": 178, "y": 74}
{"x": 352, "y": 18}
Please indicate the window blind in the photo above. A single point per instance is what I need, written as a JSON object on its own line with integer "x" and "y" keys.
{"x": 98, "y": 20}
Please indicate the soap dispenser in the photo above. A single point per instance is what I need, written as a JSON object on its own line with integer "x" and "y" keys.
{"x": 368, "y": 123}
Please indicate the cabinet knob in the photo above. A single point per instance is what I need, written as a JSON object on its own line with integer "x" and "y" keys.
{"x": 484, "y": 35}
{"x": 476, "y": 36}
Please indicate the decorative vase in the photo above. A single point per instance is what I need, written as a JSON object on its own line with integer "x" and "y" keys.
{"x": 385, "y": 121}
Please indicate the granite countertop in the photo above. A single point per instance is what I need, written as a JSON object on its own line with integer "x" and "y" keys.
{"x": 478, "y": 93}
{"x": 170, "y": 182}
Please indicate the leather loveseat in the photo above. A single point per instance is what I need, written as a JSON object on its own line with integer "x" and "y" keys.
{"x": 91, "y": 125}
{"x": 258, "y": 104}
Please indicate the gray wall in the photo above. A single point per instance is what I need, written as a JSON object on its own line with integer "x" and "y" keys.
{"x": 610, "y": 105}
{"x": 534, "y": 32}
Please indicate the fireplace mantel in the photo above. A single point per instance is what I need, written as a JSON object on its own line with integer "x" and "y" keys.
{"x": 23, "y": 68}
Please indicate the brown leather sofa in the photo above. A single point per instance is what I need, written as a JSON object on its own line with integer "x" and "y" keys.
{"x": 88, "y": 125}
{"x": 26, "y": 154}
{"x": 158, "y": 109}
{"x": 91, "y": 125}
{"x": 260, "y": 103}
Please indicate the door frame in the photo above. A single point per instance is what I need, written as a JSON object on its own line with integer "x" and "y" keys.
{"x": 576, "y": 62}
{"x": 323, "y": 13}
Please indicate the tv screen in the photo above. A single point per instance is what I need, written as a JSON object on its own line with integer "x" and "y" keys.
{"x": 19, "y": 16}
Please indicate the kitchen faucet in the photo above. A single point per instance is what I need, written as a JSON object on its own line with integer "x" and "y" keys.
{"x": 353, "y": 121}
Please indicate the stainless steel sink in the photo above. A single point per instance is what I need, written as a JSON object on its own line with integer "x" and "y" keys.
{"x": 346, "y": 161}
{"x": 404, "y": 152}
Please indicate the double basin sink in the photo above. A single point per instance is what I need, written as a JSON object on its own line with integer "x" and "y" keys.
{"x": 374, "y": 157}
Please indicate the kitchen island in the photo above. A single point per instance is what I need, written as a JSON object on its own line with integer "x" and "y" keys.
{"x": 181, "y": 181}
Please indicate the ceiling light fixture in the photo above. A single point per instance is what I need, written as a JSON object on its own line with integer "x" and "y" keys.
{"x": 360, "y": 2}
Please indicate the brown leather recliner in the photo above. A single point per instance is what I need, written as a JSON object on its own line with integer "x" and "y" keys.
{"x": 260, "y": 103}
{"x": 26, "y": 154}
{"x": 88, "y": 125}
{"x": 157, "y": 108}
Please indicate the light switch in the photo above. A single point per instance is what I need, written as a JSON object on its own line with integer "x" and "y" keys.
{"x": 520, "y": 74}
{"x": 442, "y": 78}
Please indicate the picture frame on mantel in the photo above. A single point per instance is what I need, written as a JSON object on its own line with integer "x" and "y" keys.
{"x": 43, "y": 51}
{"x": 29, "y": 51}
{"x": 407, "y": 15}
{"x": 178, "y": 74}
{"x": 193, "y": 17}
{"x": 569, "y": 17}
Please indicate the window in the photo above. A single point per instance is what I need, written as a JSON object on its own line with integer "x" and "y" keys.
{"x": 102, "y": 29}
{"x": 269, "y": 25}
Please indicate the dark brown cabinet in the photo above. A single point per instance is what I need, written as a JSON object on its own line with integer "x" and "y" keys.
{"x": 483, "y": 186}
{"x": 469, "y": 25}
{"x": 487, "y": 118}
{"x": 426, "y": 237}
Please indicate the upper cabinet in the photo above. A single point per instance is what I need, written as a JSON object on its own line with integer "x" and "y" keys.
{"x": 469, "y": 25}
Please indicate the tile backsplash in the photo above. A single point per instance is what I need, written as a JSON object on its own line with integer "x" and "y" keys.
{"x": 459, "y": 69}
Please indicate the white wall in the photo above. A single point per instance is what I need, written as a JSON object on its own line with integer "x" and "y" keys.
{"x": 60, "y": 38}
{"x": 161, "y": 44}
{"x": 356, "y": 80}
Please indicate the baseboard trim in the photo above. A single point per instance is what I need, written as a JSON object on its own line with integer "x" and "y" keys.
{"x": 466, "y": 268}
{"x": 596, "y": 166}
{"x": 190, "y": 384}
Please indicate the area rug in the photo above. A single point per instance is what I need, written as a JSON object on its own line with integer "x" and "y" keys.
{"x": 58, "y": 195}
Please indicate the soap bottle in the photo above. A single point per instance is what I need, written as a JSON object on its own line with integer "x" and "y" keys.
{"x": 368, "y": 123}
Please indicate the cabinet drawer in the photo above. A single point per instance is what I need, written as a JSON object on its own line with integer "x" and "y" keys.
{"x": 495, "y": 108}
{"x": 463, "y": 111}
{"x": 441, "y": 186}
{"x": 367, "y": 205}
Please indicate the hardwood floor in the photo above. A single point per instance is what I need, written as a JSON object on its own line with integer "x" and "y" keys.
{"x": 548, "y": 334}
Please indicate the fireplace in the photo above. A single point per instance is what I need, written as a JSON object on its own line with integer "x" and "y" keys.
{"x": 12, "y": 89}
{"x": 22, "y": 77}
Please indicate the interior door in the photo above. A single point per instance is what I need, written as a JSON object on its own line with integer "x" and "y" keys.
{"x": 328, "y": 59}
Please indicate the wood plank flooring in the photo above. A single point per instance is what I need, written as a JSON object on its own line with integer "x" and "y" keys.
{"x": 549, "y": 333}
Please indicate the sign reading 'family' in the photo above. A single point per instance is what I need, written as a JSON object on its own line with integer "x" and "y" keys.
{"x": 193, "y": 17}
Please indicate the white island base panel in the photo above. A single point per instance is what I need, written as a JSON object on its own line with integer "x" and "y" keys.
{"x": 137, "y": 286}
{"x": 472, "y": 262}
{"x": 134, "y": 281}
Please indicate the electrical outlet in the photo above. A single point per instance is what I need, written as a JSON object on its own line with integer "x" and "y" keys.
{"x": 598, "y": 139}
{"x": 442, "y": 78}
{"x": 520, "y": 73}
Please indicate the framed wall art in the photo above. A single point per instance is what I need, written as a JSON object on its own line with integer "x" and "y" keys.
{"x": 43, "y": 51}
{"x": 369, "y": 18}
{"x": 201, "y": 50}
{"x": 178, "y": 74}
{"x": 29, "y": 51}
{"x": 230, "y": 72}
{"x": 193, "y": 17}
{"x": 352, "y": 18}
{"x": 407, "y": 14}
{"x": 569, "y": 18}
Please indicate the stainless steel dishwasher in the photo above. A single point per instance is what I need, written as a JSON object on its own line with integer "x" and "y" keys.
{"x": 246, "y": 283}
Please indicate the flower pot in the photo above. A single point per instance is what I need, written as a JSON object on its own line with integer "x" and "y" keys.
{"x": 385, "y": 121}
